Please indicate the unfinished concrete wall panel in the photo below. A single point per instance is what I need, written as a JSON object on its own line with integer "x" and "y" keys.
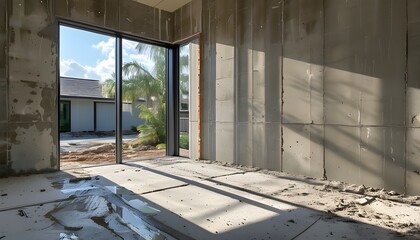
{"x": 342, "y": 81}
{"x": 265, "y": 87}
{"x": 273, "y": 141}
{"x": 342, "y": 153}
{"x": 273, "y": 60}
{"x": 243, "y": 91}
{"x": 177, "y": 24}
{"x": 365, "y": 61}
{"x": 303, "y": 87}
{"x": 244, "y": 144}
{"x": 365, "y": 85}
{"x": 382, "y": 157}
{"x": 413, "y": 83}
{"x": 413, "y": 98}
{"x": 225, "y": 79}
{"x": 188, "y": 20}
{"x": 271, "y": 27}
{"x": 3, "y": 89}
{"x": 244, "y": 62}
{"x": 193, "y": 106}
{"x": 136, "y": 18}
{"x": 164, "y": 26}
{"x": 32, "y": 86}
{"x": 303, "y": 150}
{"x": 259, "y": 29}
{"x": 208, "y": 97}
{"x": 413, "y": 161}
{"x": 303, "y": 61}
{"x": 196, "y": 18}
{"x": 102, "y": 13}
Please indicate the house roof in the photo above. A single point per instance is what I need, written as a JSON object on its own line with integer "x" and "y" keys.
{"x": 82, "y": 88}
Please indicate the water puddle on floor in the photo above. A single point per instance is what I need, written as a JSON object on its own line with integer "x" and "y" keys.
{"x": 92, "y": 207}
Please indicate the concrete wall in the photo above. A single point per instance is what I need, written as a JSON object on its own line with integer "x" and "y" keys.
{"x": 322, "y": 88}
{"x": 193, "y": 101}
{"x": 187, "y": 20}
{"x": 325, "y": 88}
{"x": 28, "y": 69}
{"x": 105, "y": 120}
{"x": 3, "y": 91}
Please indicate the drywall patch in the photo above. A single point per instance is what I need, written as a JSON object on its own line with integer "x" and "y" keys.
{"x": 33, "y": 149}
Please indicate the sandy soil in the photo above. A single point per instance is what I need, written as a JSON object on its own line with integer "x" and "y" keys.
{"x": 98, "y": 154}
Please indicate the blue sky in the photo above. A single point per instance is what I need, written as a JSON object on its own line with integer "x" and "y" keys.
{"x": 90, "y": 55}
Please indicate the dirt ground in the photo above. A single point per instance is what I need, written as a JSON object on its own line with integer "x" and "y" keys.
{"x": 99, "y": 154}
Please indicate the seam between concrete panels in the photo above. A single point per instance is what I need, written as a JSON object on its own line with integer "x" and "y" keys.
{"x": 282, "y": 86}
{"x": 405, "y": 93}
{"x": 323, "y": 92}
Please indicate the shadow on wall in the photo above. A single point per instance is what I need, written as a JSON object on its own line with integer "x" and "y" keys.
{"x": 332, "y": 77}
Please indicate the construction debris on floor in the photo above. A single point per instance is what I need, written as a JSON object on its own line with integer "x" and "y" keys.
{"x": 177, "y": 198}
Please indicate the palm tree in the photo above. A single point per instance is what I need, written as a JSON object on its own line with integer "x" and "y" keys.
{"x": 148, "y": 82}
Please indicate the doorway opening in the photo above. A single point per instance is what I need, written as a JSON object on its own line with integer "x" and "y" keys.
{"x": 112, "y": 94}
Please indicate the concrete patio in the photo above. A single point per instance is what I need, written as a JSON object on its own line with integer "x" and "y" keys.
{"x": 177, "y": 198}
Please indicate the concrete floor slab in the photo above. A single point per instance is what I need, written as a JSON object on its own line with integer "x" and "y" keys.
{"x": 184, "y": 168}
{"x": 184, "y": 199}
{"x": 134, "y": 178}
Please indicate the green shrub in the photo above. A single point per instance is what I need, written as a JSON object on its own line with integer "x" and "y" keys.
{"x": 161, "y": 146}
{"x": 153, "y": 131}
{"x": 184, "y": 142}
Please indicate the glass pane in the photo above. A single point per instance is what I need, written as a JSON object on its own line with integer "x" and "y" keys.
{"x": 87, "y": 105}
{"x": 143, "y": 93}
{"x": 188, "y": 92}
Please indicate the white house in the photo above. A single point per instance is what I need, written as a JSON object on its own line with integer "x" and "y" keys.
{"x": 83, "y": 108}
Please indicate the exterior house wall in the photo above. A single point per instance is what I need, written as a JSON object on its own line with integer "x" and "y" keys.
{"x": 105, "y": 116}
{"x": 81, "y": 115}
{"x": 130, "y": 116}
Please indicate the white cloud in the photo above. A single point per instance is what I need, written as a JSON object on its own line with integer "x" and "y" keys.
{"x": 106, "y": 47}
{"x": 104, "y": 67}
{"x": 71, "y": 68}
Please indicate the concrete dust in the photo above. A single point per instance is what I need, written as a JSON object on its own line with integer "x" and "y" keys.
{"x": 378, "y": 207}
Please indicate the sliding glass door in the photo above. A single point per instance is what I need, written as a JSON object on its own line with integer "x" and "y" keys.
{"x": 143, "y": 100}
{"x": 126, "y": 96}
